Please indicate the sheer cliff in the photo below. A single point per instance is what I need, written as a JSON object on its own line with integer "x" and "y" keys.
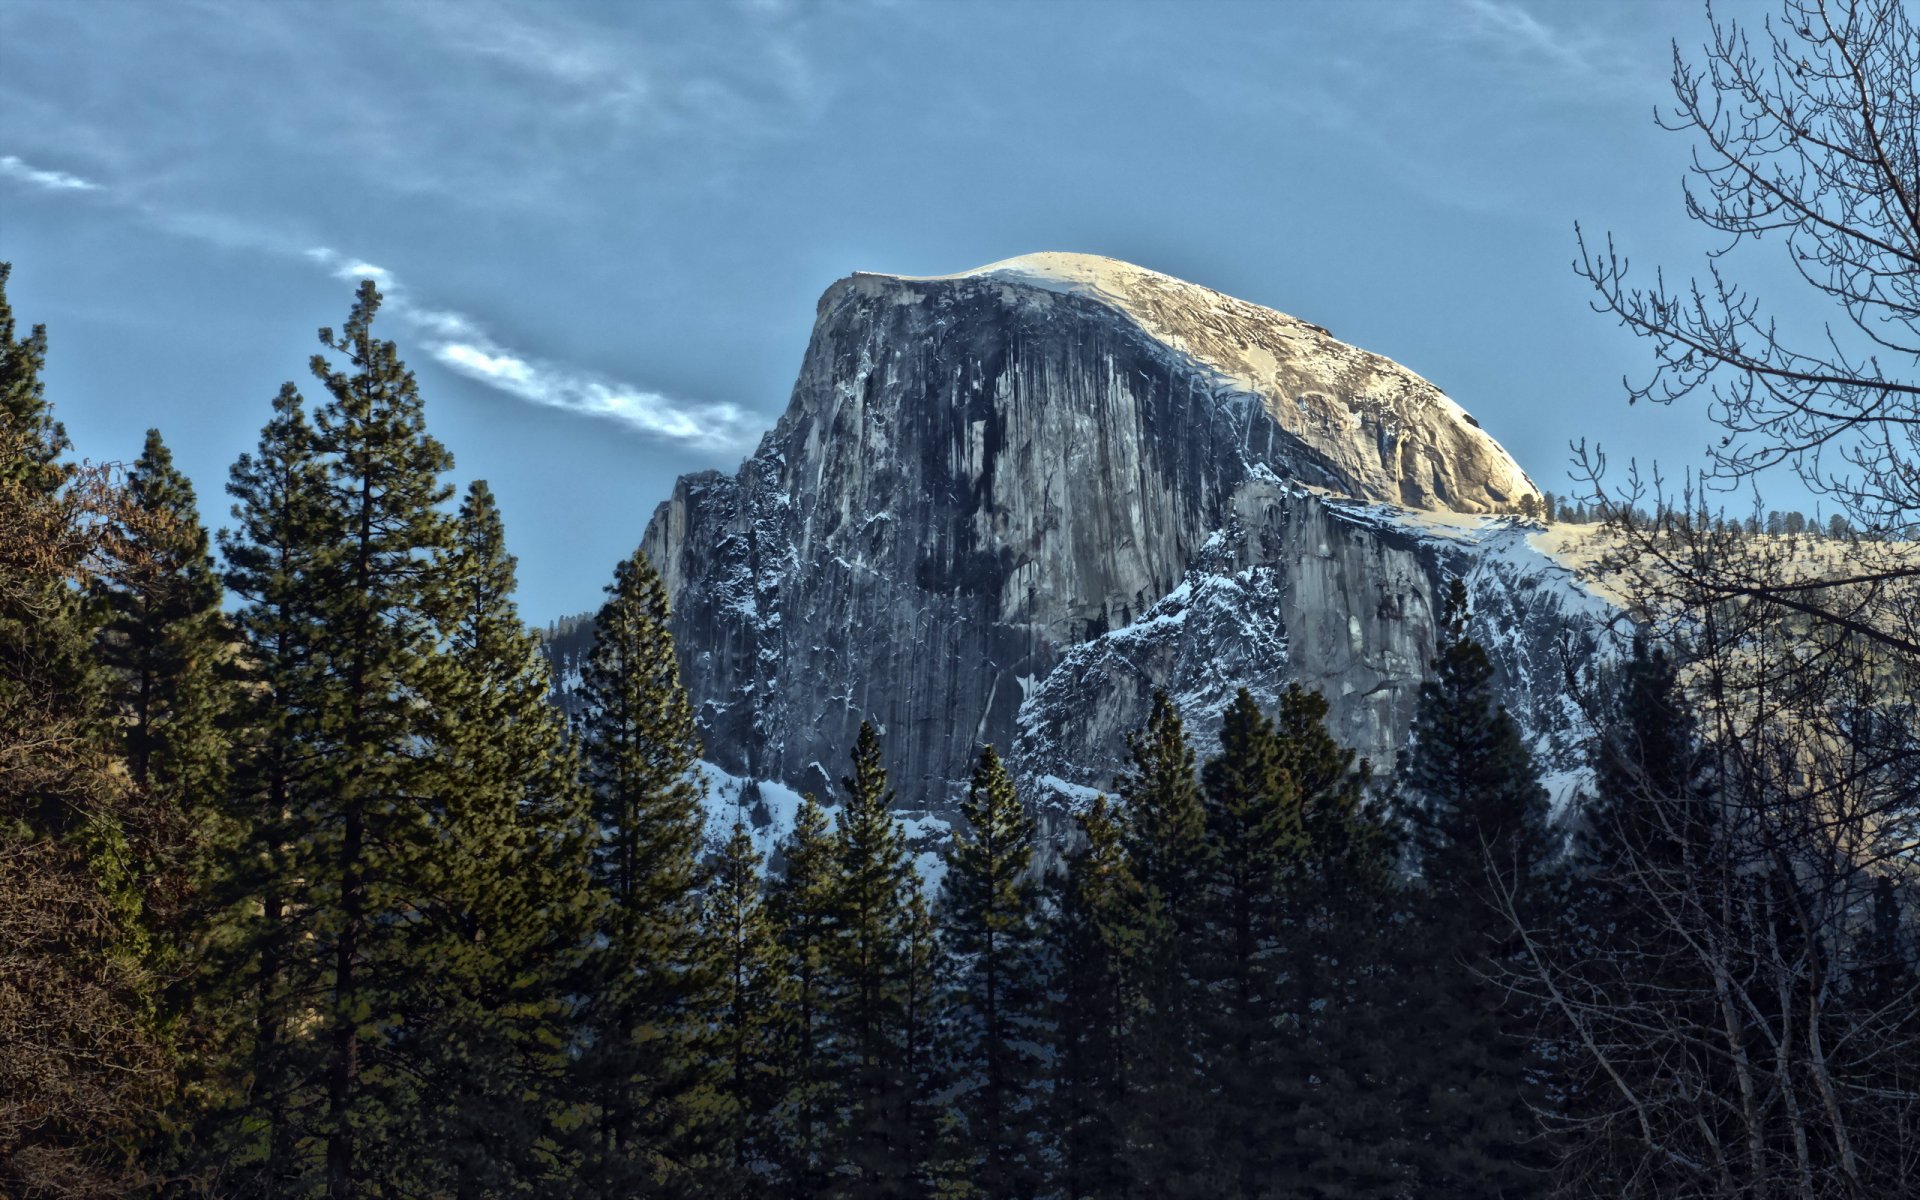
{"x": 1003, "y": 506}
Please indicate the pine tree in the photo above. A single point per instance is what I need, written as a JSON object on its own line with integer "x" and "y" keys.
{"x": 82, "y": 1067}
{"x": 656, "y": 983}
{"x": 990, "y": 935}
{"x": 872, "y": 968}
{"x": 1648, "y": 834}
{"x": 1256, "y": 838}
{"x": 1653, "y": 801}
{"x": 164, "y": 640}
{"x": 376, "y": 604}
{"x": 165, "y": 647}
{"x": 1480, "y": 833}
{"x": 1341, "y": 993}
{"x": 506, "y": 913}
{"x": 1168, "y": 852}
{"x": 1096, "y": 941}
{"x": 340, "y": 552}
{"x": 37, "y": 442}
{"x": 285, "y": 529}
{"x": 1480, "y": 814}
{"x": 801, "y": 904}
{"x": 924, "y": 1078}
{"x": 755, "y": 993}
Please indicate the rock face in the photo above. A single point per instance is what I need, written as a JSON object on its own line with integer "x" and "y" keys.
{"x": 1003, "y": 506}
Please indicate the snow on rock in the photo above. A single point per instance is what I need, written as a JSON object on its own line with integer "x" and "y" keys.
{"x": 768, "y": 808}
{"x": 1003, "y": 507}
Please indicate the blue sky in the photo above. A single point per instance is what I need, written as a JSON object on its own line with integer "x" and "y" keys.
{"x": 604, "y": 226}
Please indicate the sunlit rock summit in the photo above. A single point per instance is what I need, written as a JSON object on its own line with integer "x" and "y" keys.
{"x": 1006, "y": 505}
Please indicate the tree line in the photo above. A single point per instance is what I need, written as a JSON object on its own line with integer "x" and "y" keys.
{"x": 308, "y": 888}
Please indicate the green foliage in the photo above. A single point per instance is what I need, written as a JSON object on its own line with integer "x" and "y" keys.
{"x": 876, "y": 963}
{"x": 990, "y": 929}
{"x": 38, "y": 442}
{"x": 801, "y": 902}
{"x": 1096, "y": 941}
{"x": 84, "y": 1065}
{"x": 1170, "y": 855}
{"x": 754, "y": 992}
{"x": 1257, "y": 838}
{"x": 167, "y": 654}
{"x": 654, "y": 977}
{"x": 342, "y": 554}
{"x": 1480, "y": 834}
{"x": 505, "y": 911}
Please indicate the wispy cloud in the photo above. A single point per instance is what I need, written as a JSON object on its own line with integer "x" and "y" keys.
{"x": 1581, "y": 56}
{"x": 459, "y": 342}
{"x": 453, "y": 339}
{"x": 12, "y": 167}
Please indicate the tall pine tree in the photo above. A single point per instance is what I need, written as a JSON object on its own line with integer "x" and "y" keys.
{"x": 1168, "y": 852}
{"x": 755, "y": 992}
{"x": 284, "y": 531}
{"x": 990, "y": 931}
{"x": 1095, "y": 940}
{"x": 340, "y": 551}
{"x": 873, "y": 971}
{"x": 506, "y": 913}
{"x": 655, "y": 983}
{"x": 377, "y": 601}
{"x": 166, "y": 649}
{"x": 1255, "y": 836}
{"x": 1341, "y": 996}
{"x": 801, "y": 902}
{"x": 1479, "y": 818}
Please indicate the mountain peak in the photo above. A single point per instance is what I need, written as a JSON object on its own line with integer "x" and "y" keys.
{"x": 1376, "y": 430}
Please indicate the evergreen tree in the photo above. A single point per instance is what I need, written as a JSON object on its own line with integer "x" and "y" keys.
{"x": 924, "y": 1077}
{"x": 164, "y": 640}
{"x": 506, "y": 911}
{"x": 1479, "y": 822}
{"x": 340, "y": 551}
{"x": 1479, "y": 812}
{"x": 755, "y": 993}
{"x": 1653, "y": 801}
{"x": 656, "y": 984}
{"x": 1167, "y": 851}
{"x": 82, "y": 1067}
{"x": 274, "y": 556}
{"x": 801, "y": 903}
{"x": 1648, "y": 834}
{"x": 1256, "y": 838}
{"x": 1096, "y": 939}
{"x": 37, "y": 441}
{"x": 1340, "y": 945}
{"x": 873, "y": 970}
{"x": 377, "y": 602}
{"x": 165, "y": 647}
{"x": 990, "y": 933}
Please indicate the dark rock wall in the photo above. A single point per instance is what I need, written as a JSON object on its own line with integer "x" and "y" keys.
{"x": 974, "y": 481}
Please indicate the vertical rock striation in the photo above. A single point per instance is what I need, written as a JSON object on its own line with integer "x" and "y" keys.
{"x": 1004, "y": 506}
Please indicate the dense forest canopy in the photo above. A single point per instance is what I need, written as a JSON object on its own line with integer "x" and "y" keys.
{"x": 309, "y": 887}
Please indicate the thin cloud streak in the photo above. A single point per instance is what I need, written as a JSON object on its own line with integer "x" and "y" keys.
{"x": 12, "y": 167}
{"x": 458, "y": 342}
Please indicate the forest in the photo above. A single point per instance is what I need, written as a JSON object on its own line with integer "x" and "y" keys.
{"x": 311, "y": 889}
{"x": 308, "y": 886}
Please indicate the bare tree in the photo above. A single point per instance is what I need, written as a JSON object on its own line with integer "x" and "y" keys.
{"x": 1808, "y": 130}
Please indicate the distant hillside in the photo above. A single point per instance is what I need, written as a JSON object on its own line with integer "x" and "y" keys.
{"x": 566, "y": 643}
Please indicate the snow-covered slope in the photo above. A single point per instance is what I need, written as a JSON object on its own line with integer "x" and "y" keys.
{"x": 1003, "y": 506}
